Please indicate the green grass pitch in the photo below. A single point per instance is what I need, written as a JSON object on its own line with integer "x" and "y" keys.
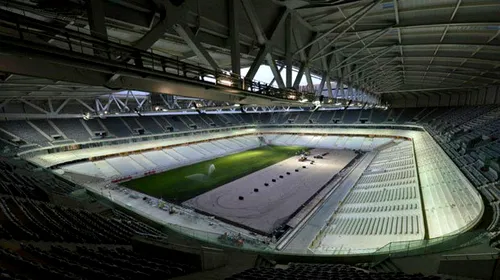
{"x": 174, "y": 186}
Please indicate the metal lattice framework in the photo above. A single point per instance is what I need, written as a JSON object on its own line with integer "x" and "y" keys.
{"x": 362, "y": 50}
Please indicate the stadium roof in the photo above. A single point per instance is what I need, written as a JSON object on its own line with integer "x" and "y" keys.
{"x": 381, "y": 47}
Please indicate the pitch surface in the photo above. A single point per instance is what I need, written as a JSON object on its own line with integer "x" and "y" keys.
{"x": 186, "y": 182}
{"x": 264, "y": 208}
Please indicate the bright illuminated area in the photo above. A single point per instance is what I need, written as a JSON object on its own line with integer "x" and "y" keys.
{"x": 384, "y": 206}
{"x": 250, "y": 139}
{"x": 267, "y": 198}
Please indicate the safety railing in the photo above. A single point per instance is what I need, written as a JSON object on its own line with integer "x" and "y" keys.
{"x": 42, "y": 36}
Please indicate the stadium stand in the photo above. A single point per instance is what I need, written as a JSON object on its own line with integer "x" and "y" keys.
{"x": 73, "y": 128}
{"x": 350, "y": 116}
{"x": 46, "y": 128}
{"x": 468, "y": 129}
{"x": 353, "y": 143}
{"x": 161, "y": 160}
{"x": 323, "y": 272}
{"x": 384, "y": 205}
{"x": 58, "y": 242}
{"x": 25, "y": 131}
{"x": 151, "y": 125}
{"x": 116, "y": 127}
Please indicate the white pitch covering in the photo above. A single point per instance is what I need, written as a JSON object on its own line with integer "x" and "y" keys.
{"x": 384, "y": 206}
{"x": 271, "y": 205}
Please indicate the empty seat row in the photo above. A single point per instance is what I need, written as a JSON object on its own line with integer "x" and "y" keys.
{"x": 299, "y": 271}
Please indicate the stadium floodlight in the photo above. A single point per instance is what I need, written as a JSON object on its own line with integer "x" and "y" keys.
{"x": 303, "y": 100}
{"x": 226, "y": 82}
{"x": 236, "y": 105}
{"x": 87, "y": 116}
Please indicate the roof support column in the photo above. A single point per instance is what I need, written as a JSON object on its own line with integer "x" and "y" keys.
{"x": 264, "y": 39}
{"x": 97, "y": 24}
{"x": 234, "y": 35}
{"x": 329, "y": 86}
{"x": 274, "y": 69}
{"x": 319, "y": 91}
{"x": 310, "y": 84}
{"x": 288, "y": 50}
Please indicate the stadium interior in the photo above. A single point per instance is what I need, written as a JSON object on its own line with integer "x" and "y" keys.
{"x": 250, "y": 139}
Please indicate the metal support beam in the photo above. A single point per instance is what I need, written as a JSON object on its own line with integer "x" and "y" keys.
{"x": 359, "y": 14}
{"x": 263, "y": 38}
{"x": 257, "y": 62}
{"x": 304, "y": 58}
{"x": 381, "y": 52}
{"x": 329, "y": 86}
{"x": 33, "y": 106}
{"x": 331, "y": 42}
{"x": 310, "y": 84}
{"x": 195, "y": 45}
{"x": 65, "y": 102}
{"x": 233, "y": 8}
{"x": 360, "y": 40}
{"x": 319, "y": 90}
{"x": 87, "y": 105}
{"x": 288, "y": 50}
{"x": 299, "y": 76}
{"x": 274, "y": 69}
{"x": 175, "y": 15}
{"x": 279, "y": 70}
{"x": 51, "y": 106}
{"x": 379, "y": 35}
{"x": 5, "y": 102}
{"x": 97, "y": 24}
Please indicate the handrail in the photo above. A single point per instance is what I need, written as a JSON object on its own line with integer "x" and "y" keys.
{"x": 475, "y": 256}
{"x": 21, "y": 28}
